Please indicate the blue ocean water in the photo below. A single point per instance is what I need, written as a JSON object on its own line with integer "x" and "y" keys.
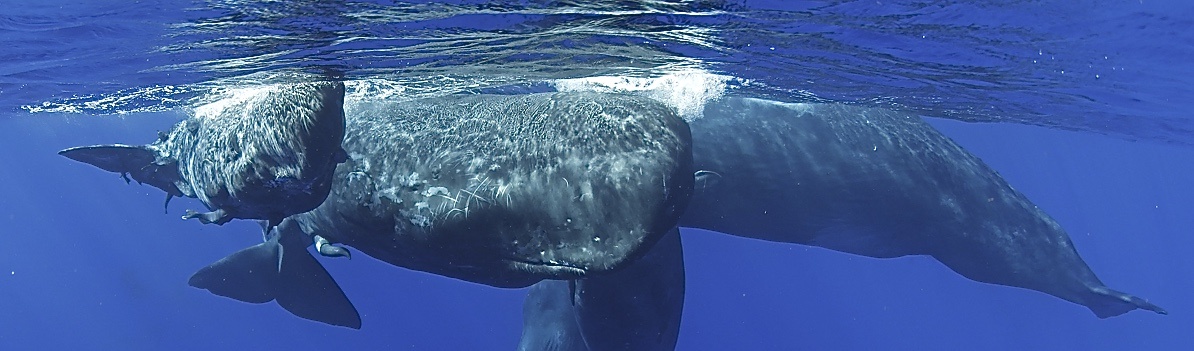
{"x": 1089, "y": 103}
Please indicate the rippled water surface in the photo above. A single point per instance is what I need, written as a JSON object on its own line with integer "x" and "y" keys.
{"x": 1112, "y": 67}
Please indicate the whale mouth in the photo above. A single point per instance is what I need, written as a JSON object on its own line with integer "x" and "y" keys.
{"x": 554, "y": 270}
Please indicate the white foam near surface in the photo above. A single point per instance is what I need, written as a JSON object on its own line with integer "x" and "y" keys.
{"x": 372, "y": 89}
{"x": 686, "y": 91}
{"x": 245, "y": 97}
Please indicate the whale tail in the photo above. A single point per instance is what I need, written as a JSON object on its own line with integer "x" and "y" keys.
{"x": 280, "y": 270}
{"x": 1111, "y": 303}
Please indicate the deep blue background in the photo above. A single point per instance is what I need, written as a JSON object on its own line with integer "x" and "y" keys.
{"x": 89, "y": 263}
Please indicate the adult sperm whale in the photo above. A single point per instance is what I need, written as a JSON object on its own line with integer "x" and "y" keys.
{"x": 265, "y": 154}
{"x": 882, "y": 184}
{"x": 498, "y": 190}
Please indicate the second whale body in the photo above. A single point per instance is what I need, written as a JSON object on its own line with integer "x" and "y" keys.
{"x": 880, "y": 183}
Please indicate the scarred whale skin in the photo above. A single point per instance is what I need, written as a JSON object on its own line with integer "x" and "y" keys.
{"x": 507, "y": 190}
{"x": 879, "y": 183}
{"x": 265, "y": 155}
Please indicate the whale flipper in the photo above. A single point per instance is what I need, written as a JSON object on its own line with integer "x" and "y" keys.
{"x": 117, "y": 158}
{"x": 139, "y": 162}
{"x": 285, "y": 272}
{"x": 549, "y": 319}
{"x": 636, "y": 308}
{"x": 219, "y": 216}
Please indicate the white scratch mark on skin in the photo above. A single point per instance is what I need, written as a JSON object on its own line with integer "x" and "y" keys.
{"x": 482, "y": 183}
{"x": 503, "y": 189}
{"x": 474, "y": 195}
{"x": 467, "y": 202}
{"x": 448, "y": 198}
{"x": 454, "y": 210}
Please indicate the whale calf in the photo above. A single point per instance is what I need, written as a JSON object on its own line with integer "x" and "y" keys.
{"x": 879, "y": 183}
{"x": 264, "y": 155}
{"x": 501, "y": 190}
{"x": 636, "y": 308}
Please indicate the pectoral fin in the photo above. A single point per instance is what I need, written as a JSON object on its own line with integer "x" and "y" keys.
{"x": 219, "y": 216}
{"x": 705, "y": 179}
{"x": 117, "y": 158}
{"x": 138, "y": 162}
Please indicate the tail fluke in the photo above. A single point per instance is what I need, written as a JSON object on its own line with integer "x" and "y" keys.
{"x": 249, "y": 275}
{"x": 1112, "y": 303}
{"x": 307, "y": 290}
{"x": 269, "y": 271}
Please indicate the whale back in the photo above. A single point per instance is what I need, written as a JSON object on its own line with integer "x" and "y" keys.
{"x": 508, "y": 190}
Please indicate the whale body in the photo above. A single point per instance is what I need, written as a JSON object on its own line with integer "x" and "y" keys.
{"x": 494, "y": 189}
{"x": 509, "y": 190}
{"x": 866, "y": 181}
{"x": 879, "y": 183}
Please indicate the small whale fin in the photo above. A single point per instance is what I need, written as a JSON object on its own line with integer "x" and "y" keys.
{"x": 327, "y": 249}
{"x": 705, "y": 179}
{"x": 340, "y": 156}
{"x": 289, "y": 274}
{"x": 138, "y": 162}
{"x": 1112, "y": 303}
{"x": 219, "y": 217}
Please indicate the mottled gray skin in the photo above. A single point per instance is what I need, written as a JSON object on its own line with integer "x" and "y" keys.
{"x": 882, "y": 184}
{"x": 264, "y": 157}
{"x": 637, "y": 308}
{"x": 507, "y": 190}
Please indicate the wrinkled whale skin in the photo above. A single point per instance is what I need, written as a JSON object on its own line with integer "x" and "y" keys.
{"x": 507, "y": 190}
